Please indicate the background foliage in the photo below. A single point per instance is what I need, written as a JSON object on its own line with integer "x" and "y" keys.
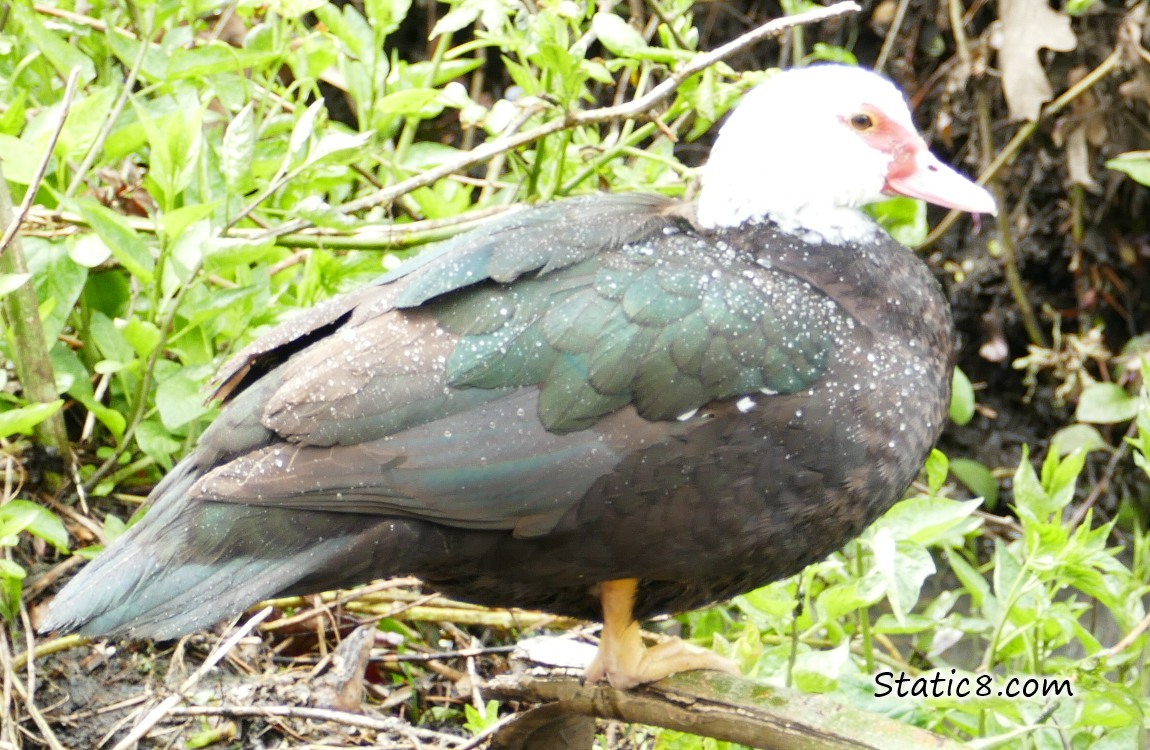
{"x": 211, "y": 167}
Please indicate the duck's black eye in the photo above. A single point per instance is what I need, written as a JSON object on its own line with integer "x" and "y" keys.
{"x": 862, "y": 122}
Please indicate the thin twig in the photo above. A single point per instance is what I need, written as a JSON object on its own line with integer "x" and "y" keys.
{"x": 1105, "y": 68}
{"x": 113, "y": 115}
{"x": 42, "y": 169}
{"x": 631, "y": 109}
{"x": 347, "y": 718}
{"x": 166, "y": 706}
{"x": 891, "y": 35}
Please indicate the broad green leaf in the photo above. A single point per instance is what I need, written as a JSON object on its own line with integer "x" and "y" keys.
{"x": 11, "y": 587}
{"x": 293, "y": 9}
{"x": 336, "y": 143}
{"x": 237, "y": 151}
{"x": 18, "y": 516}
{"x": 617, "y": 35}
{"x": 10, "y": 282}
{"x": 1106, "y": 403}
{"x": 67, "y": 365}
{"x": 977, "y": 478}
{"x": 301, "y": 134}
{"x": 23, "y": 419}
{"x": 59, "y": 282}
{"x": 1078, "y": 437}
{"x": 62, "y": 55}
{"x": 123, "y": 241}
{"x": 180, "y": 399}
{"x": 903, "y": 218}
{"x": 1135, "y": 164}
{"x": 961, "y": 399}
{"x": 493, "y": 15}
{"x": 836, "y": 601}
{"x": 108, "y": 338}
{"x": 936, "y": 465}
{"x": 352, "y": 29}
{"x": 821, "y": 51}
{"x": 322, "y": 214}
{"x": 425, "y": 103}
{"x": 214, "y": 58}
{"x": 385, "y": 16}
{"x": 21, "y": 161}
{"x": 1059, "y": 476}
{"x": 225, "y": 252}
{"x": 142, "y": 335}
{"x": 175, "y": 142}
{"x": 1028, "y": 490}
{"x": 156, "y": 441}
{"x": 88, "y": 250}
{"x": 929, "y": 520}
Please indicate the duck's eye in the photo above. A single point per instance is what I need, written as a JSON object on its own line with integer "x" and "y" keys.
{"x": 862, "y": 122}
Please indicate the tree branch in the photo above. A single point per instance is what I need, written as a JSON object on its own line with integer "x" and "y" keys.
{"x": 711, "y": 704}
{"x": 587, "y": 117}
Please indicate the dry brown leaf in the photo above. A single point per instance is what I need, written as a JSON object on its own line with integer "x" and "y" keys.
{"x": 1086, "y": 128}
{"x": 1027, "y": 27}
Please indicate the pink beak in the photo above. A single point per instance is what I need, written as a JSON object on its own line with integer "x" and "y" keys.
{"x": 916, "y": 173}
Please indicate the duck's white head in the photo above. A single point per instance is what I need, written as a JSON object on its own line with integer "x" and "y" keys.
{"x": 808, "y": 147}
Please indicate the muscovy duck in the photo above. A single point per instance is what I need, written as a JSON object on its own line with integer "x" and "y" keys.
{"x": 609, "y": 407}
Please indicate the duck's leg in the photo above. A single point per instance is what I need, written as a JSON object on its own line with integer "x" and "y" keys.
{"x": 622, "y": 658}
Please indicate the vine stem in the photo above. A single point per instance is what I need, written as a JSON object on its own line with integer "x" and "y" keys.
{"x": 630, "y": 109}
{"x": 1105, "y": 68}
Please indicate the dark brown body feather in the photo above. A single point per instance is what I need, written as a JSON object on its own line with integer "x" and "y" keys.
{"x": 519, "y": 458}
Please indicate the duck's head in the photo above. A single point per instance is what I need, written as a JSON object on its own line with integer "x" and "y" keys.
{"x": 808, "y": 147}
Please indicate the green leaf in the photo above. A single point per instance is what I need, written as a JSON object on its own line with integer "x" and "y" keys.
{"x": 293, "y": 9}
{"x": 1106, "y": 403}
{"x": 936, "y": 464}
{"x": 821, "y": 51}
{"x": 119, "y": 236}
{"x": 1059, "y": 477}
{"x": 618, "y": 36}
{"x": 976, "y": 478}
{"x": 156, "y": 441}
{"x": 904, "y": 567}
{"x": 175, "y": 141}
{"x": 214, "y": 58}
{"x": 238, "y": 149}
{"x": 1028, "y": 492}
{"x": 386, "y": 15}
{"x": 21, "y": 159}
{"x": 24, "y": 419}
{"x": 1135, "y": 164}
{"x": 1076, "y": 437}
{"x": 59, "y": 53}
{"x": 840, "y": 599}
{"x": 88, "y": 250}
{"x": 424, "y": 103}
{"x": 336, "y": 143}
{"x": 18, "y": 516}
{"x": 10, "y": 282}
{"x": 961, "y": 399}
{"x": 322, "y": 214}
{"x": 903, "y": 218}
{"x": 180, "y": 399}
{"x": 59, "y": 282}
{"x": 11, "y": 588}
{"x": 929, "y": 520}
